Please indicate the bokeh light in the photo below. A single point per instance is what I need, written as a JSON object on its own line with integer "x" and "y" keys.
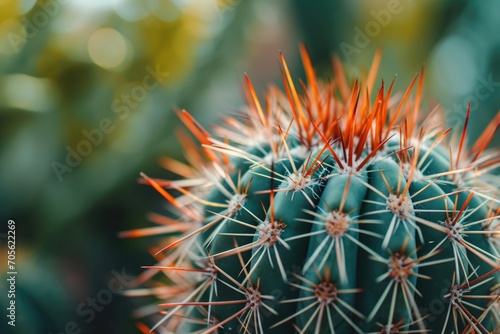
{"x": 26, "y": 5}
{"x": 107, "y": 48}
{"x": 26, "y": 92}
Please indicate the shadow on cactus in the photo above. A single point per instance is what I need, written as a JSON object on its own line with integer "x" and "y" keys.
{"x": 322, "y": 211}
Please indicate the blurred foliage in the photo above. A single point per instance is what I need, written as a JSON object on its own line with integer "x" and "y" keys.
{"x": 67, "y": 65}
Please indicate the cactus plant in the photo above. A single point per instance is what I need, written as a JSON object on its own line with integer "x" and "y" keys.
{"x": 339, "y": 209}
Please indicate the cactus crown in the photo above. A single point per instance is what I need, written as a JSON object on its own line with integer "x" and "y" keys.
{"x": 324, "y": 211}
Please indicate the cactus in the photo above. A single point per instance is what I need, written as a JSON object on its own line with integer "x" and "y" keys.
{"x": 327, "y": 212}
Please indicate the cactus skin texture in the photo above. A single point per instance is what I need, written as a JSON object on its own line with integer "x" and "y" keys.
{"x": 327, "y": 211}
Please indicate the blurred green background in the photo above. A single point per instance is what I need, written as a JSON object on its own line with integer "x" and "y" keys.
{"x": 88, "y": 90}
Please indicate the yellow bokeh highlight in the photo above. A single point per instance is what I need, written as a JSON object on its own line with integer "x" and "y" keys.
{"x": 107, "y": 48}
{"x": 11, "y": 37}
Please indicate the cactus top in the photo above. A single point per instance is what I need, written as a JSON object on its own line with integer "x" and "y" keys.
{"x": 333, "y": 208}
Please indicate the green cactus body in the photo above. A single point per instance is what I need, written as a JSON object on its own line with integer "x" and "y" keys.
{"x": 337, "y": 215}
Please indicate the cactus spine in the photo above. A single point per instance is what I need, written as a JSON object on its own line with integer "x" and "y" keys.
{"x": 325, "y": 211}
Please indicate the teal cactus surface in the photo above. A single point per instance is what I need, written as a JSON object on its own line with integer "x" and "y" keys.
{"x": 336, "y": 209}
